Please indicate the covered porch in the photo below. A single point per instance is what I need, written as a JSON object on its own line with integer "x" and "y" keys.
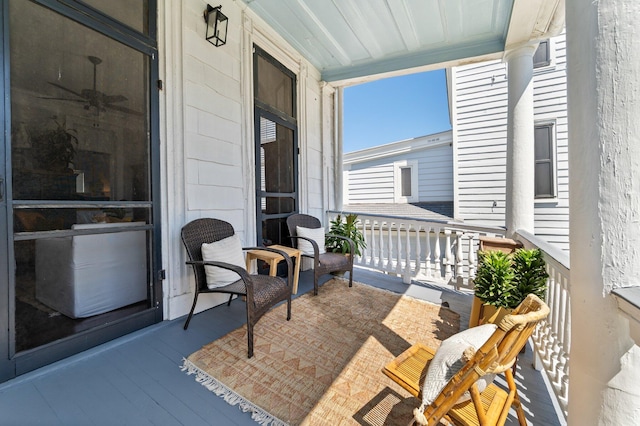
{"x": 204, "y": 129}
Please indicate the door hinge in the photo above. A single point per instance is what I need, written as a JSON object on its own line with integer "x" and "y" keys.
{"x": 159, "y": 84}
{"x": 162, "y": 275}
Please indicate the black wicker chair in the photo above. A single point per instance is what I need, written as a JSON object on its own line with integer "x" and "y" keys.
{"x": 261, "y": 292}
{"x": 322, "y": 263}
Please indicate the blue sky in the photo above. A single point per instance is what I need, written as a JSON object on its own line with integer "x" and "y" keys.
{"x": 394, "y": 109}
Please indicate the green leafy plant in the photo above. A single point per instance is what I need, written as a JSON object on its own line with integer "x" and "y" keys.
{"x": 505, "y": 280}
{"x": 530, "y": 273}
{"x": 347, "y": 228}
{"x": 55, "y": 149}
{"x": 494, "y": 280}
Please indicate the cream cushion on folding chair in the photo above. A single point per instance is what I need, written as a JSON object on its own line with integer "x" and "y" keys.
{"x": 449, "y": 359}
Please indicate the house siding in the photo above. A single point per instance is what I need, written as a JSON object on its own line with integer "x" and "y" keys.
{"x": 480, "y": 134}
{"x": 370, "y": 178}
{"x": 208, "y": 164}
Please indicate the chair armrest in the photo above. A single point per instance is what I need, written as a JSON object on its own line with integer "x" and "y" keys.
{"x": 244, "y": 275}
{"x": 314, "y": 244}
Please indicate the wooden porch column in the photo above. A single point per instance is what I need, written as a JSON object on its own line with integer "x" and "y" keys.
{"x": 603, "y": 66}
{"x": 520, "y": 141}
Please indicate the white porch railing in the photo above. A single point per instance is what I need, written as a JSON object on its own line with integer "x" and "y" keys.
{"x": 552, "y": 338}
{"x": 445, "y": 252}
{"x": 440, "y": 251}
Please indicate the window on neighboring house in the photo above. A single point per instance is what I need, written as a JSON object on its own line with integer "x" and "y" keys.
{"x": 544, "y": 168}
{"x": 406, "y": 181}
{"x": 542, "y": 57}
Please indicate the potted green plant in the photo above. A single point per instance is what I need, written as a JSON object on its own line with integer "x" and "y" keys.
{"x": 347, "y": 228}
{"x": 55, "y": 149}
{"x": 504, "y": 280}
{"x": 530, "y": 274}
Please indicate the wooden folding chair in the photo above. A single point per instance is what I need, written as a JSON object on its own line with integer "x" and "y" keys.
{"x": 496, "y": 356}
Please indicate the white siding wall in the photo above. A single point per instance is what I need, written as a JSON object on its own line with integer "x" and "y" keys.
{"x": 480, "y": 132}
{"x": 207, "y": 132}
{"x": 435, "y": 174}
{"x": 369, "y": 176}
{"x": 370, "y": 183}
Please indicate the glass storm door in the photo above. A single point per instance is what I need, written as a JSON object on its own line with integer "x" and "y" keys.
{"x": 79, "y": 196}
{"x": 276, "y": 153}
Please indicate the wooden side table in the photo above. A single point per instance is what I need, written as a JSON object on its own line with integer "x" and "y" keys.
{"x": 274, "y": 258}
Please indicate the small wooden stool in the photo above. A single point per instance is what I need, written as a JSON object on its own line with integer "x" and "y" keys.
{"x": 274, "y": 258}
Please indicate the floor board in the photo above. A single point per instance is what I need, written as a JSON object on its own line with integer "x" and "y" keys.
{"x": 136, "y": 380}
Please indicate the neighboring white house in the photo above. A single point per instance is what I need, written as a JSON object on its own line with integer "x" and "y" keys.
{"x": 418, "y": 170}
{"x": 467, "y": 165}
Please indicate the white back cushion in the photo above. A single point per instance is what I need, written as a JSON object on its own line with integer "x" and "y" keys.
{"x": 228, "y": 250}
{"x": 316, "y": 234}
{"x": 448, "y": 360}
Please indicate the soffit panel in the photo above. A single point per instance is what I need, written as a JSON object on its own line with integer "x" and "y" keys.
{"x": 347, "y": 39}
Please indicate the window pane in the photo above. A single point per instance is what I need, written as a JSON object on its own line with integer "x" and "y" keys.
{"x": 541, "y": 57}
{"x": 405, "y": 174}
{"x": 274, "y": 231}
{"x": 80, "y": 133}
{"x": 79, "y": 104}
{"x": 544, "y": 180}
{"x": 544, "y": 161}
{"x": 275, "y": 88}
{"x": 276, "y": 152}
{"x": 133, "y": 13}
{"x": 542, "y": 142}
{"x": 70, "y": 284}
{"x": 42, "y": 219}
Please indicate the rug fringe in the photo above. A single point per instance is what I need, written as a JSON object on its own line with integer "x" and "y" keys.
{"x": 259, "y": 415}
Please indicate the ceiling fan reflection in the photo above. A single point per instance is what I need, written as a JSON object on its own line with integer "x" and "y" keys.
{"x": 93, "y": 98}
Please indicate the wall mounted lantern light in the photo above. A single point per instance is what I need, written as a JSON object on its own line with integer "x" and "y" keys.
{"x": 217, "y": 24}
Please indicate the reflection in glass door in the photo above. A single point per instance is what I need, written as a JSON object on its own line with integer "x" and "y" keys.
{"x": 276, "y": 148}
{"x": 81, "y": 198}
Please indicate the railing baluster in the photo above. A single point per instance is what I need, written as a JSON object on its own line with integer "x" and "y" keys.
{"x": 436, "y": 256}
{"x": 399, "y": 249}
{"x": 406, "y": 276}
{"x": 380, "y": 263}
{"x": 390, "y": 259}
{"x": 418, "y": 254}
{"x": 427, "y": 257}
{"x": 459, "y": 259}
{"x": 448, "y": 256}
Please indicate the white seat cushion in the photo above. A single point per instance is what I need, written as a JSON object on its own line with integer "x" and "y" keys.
{"x": 228, "y": 250}
{"x": 448, "y": 360}
{"x": 316, "y": 234}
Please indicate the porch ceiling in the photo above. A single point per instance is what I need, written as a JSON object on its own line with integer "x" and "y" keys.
{"x": 352, "y": 39}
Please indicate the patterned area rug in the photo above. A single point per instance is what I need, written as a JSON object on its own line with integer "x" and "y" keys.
{"x": 324, "y": 366}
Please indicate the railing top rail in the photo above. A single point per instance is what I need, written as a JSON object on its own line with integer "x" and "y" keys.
{"x": 456, "y": 225}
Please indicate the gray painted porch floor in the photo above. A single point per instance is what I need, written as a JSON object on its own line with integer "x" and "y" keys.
{"x": 136, "y": 380}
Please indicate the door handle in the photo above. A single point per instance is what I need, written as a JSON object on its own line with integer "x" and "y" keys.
{"x": 1, "y": 189}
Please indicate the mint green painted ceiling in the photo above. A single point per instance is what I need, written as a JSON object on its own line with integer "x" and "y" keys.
{"x": 348, "y": 39}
